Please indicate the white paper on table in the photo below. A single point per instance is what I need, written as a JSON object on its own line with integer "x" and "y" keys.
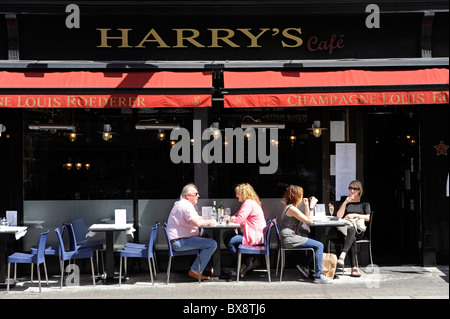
{"x": 319, "y": 212}
{"x": 11, "y": 216}
{"x": 120, "y": 216}
{"x": 207, "y": 212}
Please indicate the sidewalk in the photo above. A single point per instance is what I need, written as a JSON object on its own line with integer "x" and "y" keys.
{"x": 396, "y": 282}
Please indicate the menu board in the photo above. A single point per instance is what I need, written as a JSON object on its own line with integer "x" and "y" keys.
{"x": 345, "y": 167}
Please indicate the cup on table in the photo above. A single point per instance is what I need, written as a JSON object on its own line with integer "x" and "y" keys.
{"x": 227, "y": 215}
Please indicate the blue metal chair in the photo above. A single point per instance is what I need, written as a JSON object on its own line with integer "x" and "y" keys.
{"x": 173, "y": 253}
{"x": 147, "y": 251}
{"x": 74, "y": 244}
{"x": 139, "y": 246}
{"x": 257, "y": 250}
{"x": 73, "y": 254}
{"x": 22, "y": 258}
{"x": 282, "y": 250}
{"x": 51, "y": 249}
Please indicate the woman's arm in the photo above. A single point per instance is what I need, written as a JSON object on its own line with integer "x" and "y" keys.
{"x": 241, "y": 216}
{"x": 341, "y": 210}
{"x": 295, "y": 212}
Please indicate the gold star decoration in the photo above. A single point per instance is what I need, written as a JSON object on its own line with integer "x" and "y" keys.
{"x": 441, "y": 148}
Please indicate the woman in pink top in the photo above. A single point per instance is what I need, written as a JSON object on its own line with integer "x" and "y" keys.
{"x": 251, "y": 217}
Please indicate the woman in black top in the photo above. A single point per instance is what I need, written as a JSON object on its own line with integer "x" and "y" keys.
{"x": 352, "y": 207}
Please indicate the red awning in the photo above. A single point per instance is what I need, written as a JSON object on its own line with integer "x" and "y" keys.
{"x": 82, "y": 89}
{"x": 335, "y": 88}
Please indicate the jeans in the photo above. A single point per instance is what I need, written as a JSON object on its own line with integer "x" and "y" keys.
{"x": 207, "y": 247}
{"x": 232, "y": 241}
{"x": 318, "y": 255}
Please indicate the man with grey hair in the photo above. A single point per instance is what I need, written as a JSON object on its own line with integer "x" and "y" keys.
{"x": 182, "y": 228}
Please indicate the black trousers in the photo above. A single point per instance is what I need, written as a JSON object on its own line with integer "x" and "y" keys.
{"x": 348, "y": 242}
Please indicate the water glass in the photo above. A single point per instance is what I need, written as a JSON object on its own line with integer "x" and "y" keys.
{"x": 227, "y": 215}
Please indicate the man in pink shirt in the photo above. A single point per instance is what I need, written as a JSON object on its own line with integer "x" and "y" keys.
{"x": 182, "y": 228}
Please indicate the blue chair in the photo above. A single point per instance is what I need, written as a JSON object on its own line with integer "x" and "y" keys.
{"x": 136, "y": 252}
{"x": 282, "y": 250}
{"x": 73, "y": 254}
{"x": 51, "y": 249}
{"x": 173, "y": 253}
{"x": 22, "y": 258}
{"x": 257, "y": 249}
{"x": 74, "y": 244}
{"x": 140, "y": 246}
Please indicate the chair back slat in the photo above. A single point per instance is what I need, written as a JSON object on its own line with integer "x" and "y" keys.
{"x": 151, "y": 241}
{"x": 40, "y": 256}
{"x": 62, "y": 250}
{"x": 72, "y": 236}
{"x": 267, "y": 231}
{"x": 168, "y": 240}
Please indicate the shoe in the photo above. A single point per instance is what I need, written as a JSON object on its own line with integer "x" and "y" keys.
{"x": 251, "y": 265}
{"x": 322, "y": 279}
{"x": 304, "y": 271}
{"x": 233, "y": 273}
{"x": 355, "y": 273}
{"x": 195, "y": 275}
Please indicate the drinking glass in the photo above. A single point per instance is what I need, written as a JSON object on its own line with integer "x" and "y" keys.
{"x": 331, "y": 209}
{"x": 227, "y": 215}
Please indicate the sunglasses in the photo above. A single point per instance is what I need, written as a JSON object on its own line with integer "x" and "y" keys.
{"x": 353, "y": 188}
{"x": 195, "y": 194}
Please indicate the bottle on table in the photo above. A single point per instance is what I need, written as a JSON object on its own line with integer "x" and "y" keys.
{"x": 214, "y": 211}
{"x": 220, "y": 213}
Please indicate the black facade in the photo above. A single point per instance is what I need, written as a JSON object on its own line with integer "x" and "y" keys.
{"x": 403, "y": 173}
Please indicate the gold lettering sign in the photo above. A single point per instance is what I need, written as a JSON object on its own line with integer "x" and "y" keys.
{"x": 183, "y": 38}
{"x": 337, "y": 99}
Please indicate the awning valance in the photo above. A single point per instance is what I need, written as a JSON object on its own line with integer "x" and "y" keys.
{"x": 335, "y": 88}
{"x": 83, "y": 89}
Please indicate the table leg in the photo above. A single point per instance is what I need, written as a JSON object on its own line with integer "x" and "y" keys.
{"x": 109, "y": 260}
{"x": 3, "y": 263}
{"x": 216, "y": 255}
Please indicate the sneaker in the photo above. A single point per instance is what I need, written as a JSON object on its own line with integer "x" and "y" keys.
{"x": 322, "y": 279}
{"x": 304, "y": 271}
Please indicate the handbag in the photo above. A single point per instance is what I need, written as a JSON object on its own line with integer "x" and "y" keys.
{"x": 329, "y": 263}
{"x": 359, "y": 224}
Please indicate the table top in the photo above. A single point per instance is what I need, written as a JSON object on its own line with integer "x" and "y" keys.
{"x": 329, "y": 222}
{"x": 12, "y": 229}
{"x": 109, "y": 227}
{"x": 19, "y": 231}
{"x": 222, "y": 226}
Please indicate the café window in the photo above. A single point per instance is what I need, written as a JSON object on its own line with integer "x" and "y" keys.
{"x": 107, "y": 158}
{"x": 298, "y": 161}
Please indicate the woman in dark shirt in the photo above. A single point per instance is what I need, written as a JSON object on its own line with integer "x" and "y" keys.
{"x": 352, "y": 207}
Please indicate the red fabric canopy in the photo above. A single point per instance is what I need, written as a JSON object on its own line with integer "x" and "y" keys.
{"x": 333, "y": 88}
{"x": 105, "y": 89}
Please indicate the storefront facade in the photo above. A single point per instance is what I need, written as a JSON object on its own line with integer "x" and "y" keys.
{"x": 218, "y": 65}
